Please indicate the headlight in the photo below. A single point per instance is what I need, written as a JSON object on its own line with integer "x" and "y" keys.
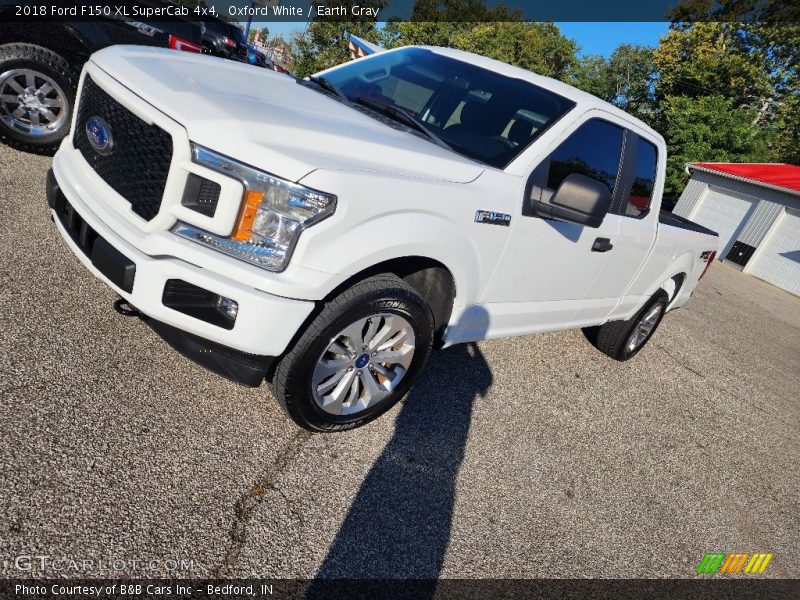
{"x": 272, "y": 215}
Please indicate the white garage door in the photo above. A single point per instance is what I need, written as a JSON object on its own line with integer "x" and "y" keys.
{"x": 725, "y": 213}
{"x": 779, "y": 260}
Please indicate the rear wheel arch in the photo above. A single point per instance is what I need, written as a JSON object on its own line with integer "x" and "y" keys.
{"x": 673, "y": 285}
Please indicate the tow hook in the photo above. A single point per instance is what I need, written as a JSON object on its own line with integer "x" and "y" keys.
{"x": 124, "y": 308}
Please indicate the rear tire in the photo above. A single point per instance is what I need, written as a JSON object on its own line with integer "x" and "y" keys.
{"x": 334, "y": 378}
{"x": 622, "y": 340}
{"x": 37, "y": 93}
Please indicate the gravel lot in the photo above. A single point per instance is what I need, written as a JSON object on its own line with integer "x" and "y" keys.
{"x": 527, "y": 457}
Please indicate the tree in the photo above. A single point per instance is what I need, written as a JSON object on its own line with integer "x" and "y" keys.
{"x": 730, "y": 77}
{"x": 325, "y": 42}
{"x": 704, "y": 59}
{"x": 707, "y": 128}
{"x": 538, "y": 47}
{"x": 626, "y": 79}
{"x": 787, "y": 125}
{"x": 592, "y": 74}
{"x": 263, "y": 34}
{"x": 633, "y": 75}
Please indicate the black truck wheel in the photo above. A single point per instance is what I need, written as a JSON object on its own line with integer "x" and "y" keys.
{"x": 622, "y": 340}
{"x": 37, "y": 91}
{"x": 358, "y": 357}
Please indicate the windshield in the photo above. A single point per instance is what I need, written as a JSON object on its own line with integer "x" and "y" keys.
{"x": 478, "y": 113}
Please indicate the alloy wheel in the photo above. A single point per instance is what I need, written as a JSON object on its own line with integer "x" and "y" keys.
{"x": 644, "y": 327}
{"x": 32, "y": 102}
{"x": 363, "y": 364}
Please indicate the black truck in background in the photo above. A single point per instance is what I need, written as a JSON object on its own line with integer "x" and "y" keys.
{"x": 223, "y": 39}
{"x": 40, "y": 63}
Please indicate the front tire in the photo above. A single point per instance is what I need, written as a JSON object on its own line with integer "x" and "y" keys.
{"x": 358, "y": 357}
{"x": 622, "y": 340}
{"x": 37, "y": 91}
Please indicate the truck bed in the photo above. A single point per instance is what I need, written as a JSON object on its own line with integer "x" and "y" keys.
{"x": 667, "y": 218}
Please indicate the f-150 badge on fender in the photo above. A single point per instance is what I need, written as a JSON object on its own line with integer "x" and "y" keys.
{"x": 492, "y": 218}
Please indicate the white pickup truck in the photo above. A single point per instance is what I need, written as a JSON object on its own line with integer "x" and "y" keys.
{"x": 327, "y": 233}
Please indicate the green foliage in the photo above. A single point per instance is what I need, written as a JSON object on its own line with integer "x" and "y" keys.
{"x": 787, "y": 125}
{"x": 325, "y": 41}
{"x": 707, "y": 128}
{"x": 538, "y": 47}
{"x": 263, "y": 34}
{"x": 717, "y": 90}
{"x": 626, "y": 79}
{"x": 753, "y": 68}
{"x": 711, "y": 58}
{"x": 592, "y": 75}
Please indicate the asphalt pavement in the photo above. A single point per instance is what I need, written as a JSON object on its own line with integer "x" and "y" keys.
{"x": 525, "y": 457}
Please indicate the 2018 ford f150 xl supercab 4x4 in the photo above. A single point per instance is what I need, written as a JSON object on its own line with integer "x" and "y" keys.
{"x": 327, "y": 233}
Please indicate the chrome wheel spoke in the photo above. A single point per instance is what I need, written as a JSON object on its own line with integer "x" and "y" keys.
{"x": 401, "y": 356}
{"x": 27, "y": 108}
{"x": 355, "y": 391}
{"x": 334, "y": 401}
{"x": 14, "y": 85}
{"x": 384, "y": 333}
{"x": 643, "y": 329}
{"x": 352, "y": 333}
{"x": 328, "y": 385}
{"x": 373, "y": 392}
{"x": 326, "y": 368}
{"x": 339, "y": 349}
{"x": 372, "y": 329}
{"x": 394, "y": 340}
{"x": 48, "y": 114}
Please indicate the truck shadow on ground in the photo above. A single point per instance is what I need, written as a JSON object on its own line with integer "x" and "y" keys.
{"x": 399, "y": 523}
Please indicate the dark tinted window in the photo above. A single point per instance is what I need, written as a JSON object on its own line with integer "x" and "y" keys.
{"x": 644, "y": 179}
{"x": 478, "y": 113}
{"x": 593, "y": 150}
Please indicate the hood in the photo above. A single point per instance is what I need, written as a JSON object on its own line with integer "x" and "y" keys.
{"x": 267, "y": 120}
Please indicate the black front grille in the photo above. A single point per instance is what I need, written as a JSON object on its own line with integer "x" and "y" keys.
{"x": 138, "y": 163}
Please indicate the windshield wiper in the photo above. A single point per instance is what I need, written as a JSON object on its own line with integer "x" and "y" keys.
{"x": 327, "y": 85}
{"x": 400, "y": 115}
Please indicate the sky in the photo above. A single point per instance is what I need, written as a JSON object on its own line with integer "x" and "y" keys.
{"x": 603, "y": 38}
{"x": 593, "y": 38}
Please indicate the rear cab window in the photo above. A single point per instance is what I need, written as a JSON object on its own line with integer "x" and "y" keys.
{"x": 644, "y": 179}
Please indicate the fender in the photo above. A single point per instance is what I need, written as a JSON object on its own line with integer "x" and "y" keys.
{"x": 436, "y": 219}
{"x": 683, "y": 264}
{"x": 370, "y": 242}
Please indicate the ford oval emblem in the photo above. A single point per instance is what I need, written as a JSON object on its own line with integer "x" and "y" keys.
{"x": 99, "y": 135}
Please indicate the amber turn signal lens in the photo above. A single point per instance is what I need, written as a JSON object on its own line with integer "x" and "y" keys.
{"x": 252, "y": 199}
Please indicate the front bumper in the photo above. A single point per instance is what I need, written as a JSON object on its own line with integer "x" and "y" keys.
{"x": 265, "y": 323}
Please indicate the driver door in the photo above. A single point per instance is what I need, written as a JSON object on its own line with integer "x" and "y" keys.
{"x": 549, "y": 266}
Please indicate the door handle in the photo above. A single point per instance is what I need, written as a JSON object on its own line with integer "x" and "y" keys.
{"x": 602, "y": 245}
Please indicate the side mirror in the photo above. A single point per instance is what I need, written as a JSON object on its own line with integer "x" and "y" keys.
{"x": 579, "y": 199}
